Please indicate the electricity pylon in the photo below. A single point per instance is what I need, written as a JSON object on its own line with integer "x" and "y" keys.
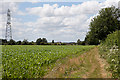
{"x": 8, "y": 34}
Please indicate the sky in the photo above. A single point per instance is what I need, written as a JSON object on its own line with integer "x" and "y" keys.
{"x": 58, "y": 20}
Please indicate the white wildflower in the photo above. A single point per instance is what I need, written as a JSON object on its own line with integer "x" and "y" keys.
{"x": 113, "y": 60}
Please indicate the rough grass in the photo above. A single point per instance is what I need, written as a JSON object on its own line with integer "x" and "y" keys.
{"x": 110, "y": 51}
{"x": 0, "y": 61}
{"x": 87, "y": 65}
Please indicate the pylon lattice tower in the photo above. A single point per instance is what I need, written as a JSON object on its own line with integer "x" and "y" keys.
{"x": 8, "y": 34}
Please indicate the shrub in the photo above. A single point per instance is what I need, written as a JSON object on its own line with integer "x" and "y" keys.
{"x": 110, "y": 51}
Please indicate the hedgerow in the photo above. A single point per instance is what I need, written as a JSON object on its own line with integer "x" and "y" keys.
{"x": 110, "y": 50}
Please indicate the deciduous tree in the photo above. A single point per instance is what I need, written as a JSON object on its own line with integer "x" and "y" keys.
{"x": 102, "y": 25}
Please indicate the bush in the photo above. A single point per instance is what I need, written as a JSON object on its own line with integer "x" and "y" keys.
{"x": 110, "y": 51}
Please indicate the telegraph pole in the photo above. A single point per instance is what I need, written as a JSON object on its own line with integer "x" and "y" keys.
{"x": 8, "y": 34}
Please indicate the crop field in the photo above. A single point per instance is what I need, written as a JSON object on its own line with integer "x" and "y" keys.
{"x": 30, "y": 61}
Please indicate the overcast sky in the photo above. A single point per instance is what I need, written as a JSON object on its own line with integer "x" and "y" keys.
{"x": 56, "y": 20}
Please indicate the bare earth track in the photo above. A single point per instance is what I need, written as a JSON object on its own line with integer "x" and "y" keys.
{"x": 87, "y": 65}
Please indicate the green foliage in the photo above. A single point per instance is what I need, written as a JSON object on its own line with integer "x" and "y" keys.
{"x": 31, "y": 43}
{"x": 82, "y": 42}
{"x": 112, "y": 39}
{"x": 18, "y": 43}
{"x": 42, "y": 41}
{"x": 78, "y": 42}
{"x": 91, "y": 39}
{"x": 29, "y": 62}
{"x": 25, "y": 42}
{"x": 11, "y": 42}
{"x": 25, "y": 61}
{"x": 110, "y": 51}
{"x": 3, "y": 41}
{"x": 119, "y": 40}
{"x": 0, "y": 41}
{"x": 103, "y": 24}
{"x": 52, "y": 41}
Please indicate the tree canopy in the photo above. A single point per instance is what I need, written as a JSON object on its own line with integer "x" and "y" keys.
{"x": 78, "y": 42}
{"x": 102, "y": 25}
{"x": 40, "y": 41}
{"x": 25, "y": 42}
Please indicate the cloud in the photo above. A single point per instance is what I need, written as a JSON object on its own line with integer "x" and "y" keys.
{"x": 89, "y": 7}
{"x": 111, "y": 2}
{"x": 35, "y": 1}
{"x": 61, "y": 23}
{"x": 8, "y": 5}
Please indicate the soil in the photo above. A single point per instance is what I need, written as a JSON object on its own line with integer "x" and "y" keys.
{"x": 87, "y": 65}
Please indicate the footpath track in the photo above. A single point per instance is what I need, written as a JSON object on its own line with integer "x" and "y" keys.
{"x": 87, "y": 65}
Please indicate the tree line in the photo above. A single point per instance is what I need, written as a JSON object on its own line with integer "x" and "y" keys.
{"x": 106, "y": 22}
{"x": 39, "y": 41}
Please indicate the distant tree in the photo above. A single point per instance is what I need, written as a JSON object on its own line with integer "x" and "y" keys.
{"x": 78, "y": 42}
{"x": 18, "y": 42}
{"x": 0, "y": 41}
{"x": 11, "y": 42}
{"x": 63, "y": 43}
{"x": 52, "y": 41}
{"x": 25, "y": 42}
{"x": 83, "y": 43}
{"x": 31, "y": 43}
{"x": 38, "y": 41}
{"x": 55, "y": 43}
{"x": 44, "y": 40}
{"x": 4, "y": 41}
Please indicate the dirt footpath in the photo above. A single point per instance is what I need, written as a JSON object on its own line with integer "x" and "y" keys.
{"x": 87, "y": 65}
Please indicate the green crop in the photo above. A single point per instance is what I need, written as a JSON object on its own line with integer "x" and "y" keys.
{"x": 29, "y": 61}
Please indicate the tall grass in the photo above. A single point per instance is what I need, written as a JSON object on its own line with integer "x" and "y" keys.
{"x": 109, "y": 50}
